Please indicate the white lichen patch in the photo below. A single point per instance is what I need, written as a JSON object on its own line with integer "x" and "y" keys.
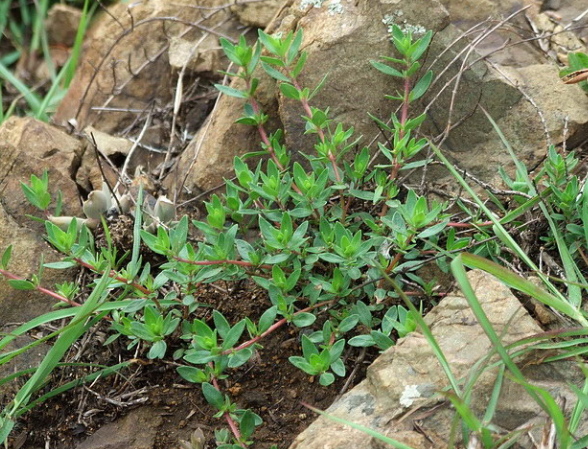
{"x": 397, "y": 19}
{"x": 333, "y": 6}
{"x": 314, "y": 3}
{"x": 410, "y": 393}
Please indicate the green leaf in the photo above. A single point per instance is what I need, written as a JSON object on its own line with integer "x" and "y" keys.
{"x": 517, "y": 282}
{"x": 302, "y": 364}
{"x": 362, "y": 341}
{"x": 60, "y": 265}
{"x": 348, "y": 323}
{"x": 247, "y": 425}
{"x": 382, "y": 340}
{"x": 192, "y": 374}
{"x": 20, "y": 284}
{"x": 267, "y": 319}
{"x": 326, "y": 379}
{"x": 299, "y": 65}
{"x": 157, "y": 351}
{"x": 240, "y": 358}
{"x": 231, "y": 91}
{"x": 222, "y": 325}
{"x": 433, "y": 230}
{"x": 234, "y": 334}
{"x": 423, "y": 44}
{"x": 6, "y": 257}
{"x": 276, "y": 74}
{"x": 421, "y": 87}
{"x": 290, "y": 91}
{"x": 213, "y": 396}
{"x": 294, "y": 47}
{"x": 303, "y": 319}
{"x": 387, "y": 69}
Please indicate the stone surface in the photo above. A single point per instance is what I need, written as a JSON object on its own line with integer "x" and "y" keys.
{"x": 137, "y": 430}
{"x": 28, "y": 248}
{"x": 472, "y": 11}
{"x": 123, "y": 43}
{"x": 407, "y": 376}
{"x": 199, "y": 56}
{"x": 89, "y": 175}
{"x": 258, "y": 14}
{"x": 29, "y": 146}
{"x": 62, "y": 24}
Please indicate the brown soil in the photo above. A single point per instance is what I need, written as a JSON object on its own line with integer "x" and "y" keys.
{"x": 269, "y": 385}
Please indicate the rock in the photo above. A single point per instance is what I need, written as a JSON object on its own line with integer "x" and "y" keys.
{"x": 125, "y": 62}
{"x": 199, "y": 56}
{"x": 258, "y": 14}
{"x": 116, "y": 149}
{"x": 62, "y": 24}
{"x": 407, "y": 376}
{"x": 137, "y": 430}
{"x": 473, "y": 11}
{"x": 28, "y": 248}
{"x": 29, "y": 146}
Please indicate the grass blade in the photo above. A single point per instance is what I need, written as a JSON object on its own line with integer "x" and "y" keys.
{"x": 515, "y": 281}
{"x": 394, "y": 443}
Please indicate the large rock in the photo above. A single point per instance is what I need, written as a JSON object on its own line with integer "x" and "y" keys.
{"x": 28, "y": 250}
{"x": 62, "y": 24}
{"x": 408, "y": 376}
{"x": 28, "y": 147}
{"x": 125, "y": 62}
{"x": 530, "y": 104}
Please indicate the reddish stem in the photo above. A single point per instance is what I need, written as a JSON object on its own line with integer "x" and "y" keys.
{"x": 230, "y": 421}
{"x": 275, "y": 326}
{"x": 57, "y": 296}
{"x": 405, "y": 103}
{"x": 113, "y": 275}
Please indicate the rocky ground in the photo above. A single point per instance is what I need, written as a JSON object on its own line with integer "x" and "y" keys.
{"x": 143, "y": 94}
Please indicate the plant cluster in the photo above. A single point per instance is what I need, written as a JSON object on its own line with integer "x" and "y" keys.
{"x": 334, "y": 232}
{"x": 328, "y": 228}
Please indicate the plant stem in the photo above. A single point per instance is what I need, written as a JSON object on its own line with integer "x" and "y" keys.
{"x": 227, "y": 415}
{"x": 275, "y": 326}
{"x": 403, "y": 118}
{"x": 113, "y": 275}
{"x": 57, "y": 296}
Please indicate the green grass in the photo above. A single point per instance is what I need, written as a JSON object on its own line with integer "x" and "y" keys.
{"x": 15, "y": 27}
